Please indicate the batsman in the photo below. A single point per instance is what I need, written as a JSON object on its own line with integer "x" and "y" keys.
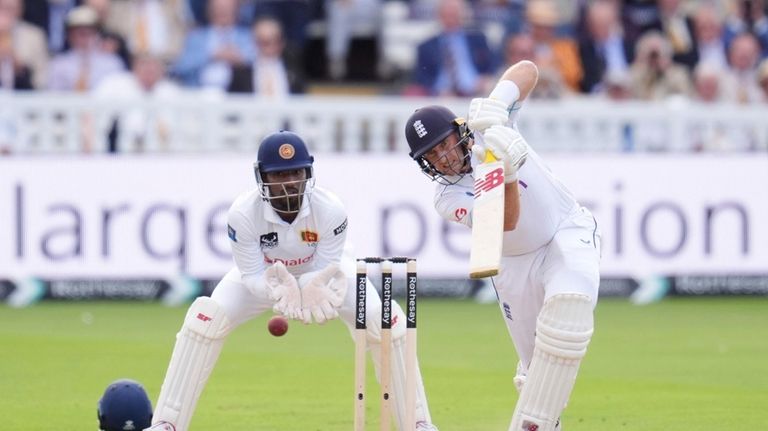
{"x": 289, "y": 242}
{"x": 549, "y": 245}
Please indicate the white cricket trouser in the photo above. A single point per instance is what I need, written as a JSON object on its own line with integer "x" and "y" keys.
{"x": 570, "y": 263}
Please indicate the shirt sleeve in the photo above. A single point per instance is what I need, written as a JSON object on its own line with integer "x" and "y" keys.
{"x": 332, "y": 238}
{"x": 454, "y": 204}
{"x": 245, "y": 245}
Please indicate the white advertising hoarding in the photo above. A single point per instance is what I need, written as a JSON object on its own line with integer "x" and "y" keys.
{"x": 158, "y": 216}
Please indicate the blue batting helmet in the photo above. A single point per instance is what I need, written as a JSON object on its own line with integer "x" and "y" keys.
{"x": 282, "y": 151}
{"x": 428, "y": 127}
{"x": 124, "y": 407}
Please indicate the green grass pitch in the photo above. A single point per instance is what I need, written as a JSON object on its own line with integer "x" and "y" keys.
{"x": 681, "y": 364}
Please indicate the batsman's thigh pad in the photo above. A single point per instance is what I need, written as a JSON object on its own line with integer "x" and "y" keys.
{"x": 373, "y": 321}
{"x": 563, "y": 330}
{"x": 197, "y": 348}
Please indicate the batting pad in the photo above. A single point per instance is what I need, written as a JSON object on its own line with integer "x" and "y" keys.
{"x": 198, "y": 345}
{"x": 563, "y": 330}
{"x": 398, "y": 383}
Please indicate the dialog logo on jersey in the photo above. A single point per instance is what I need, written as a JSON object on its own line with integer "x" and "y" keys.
{"x": 308, "y": 236}
{"x": 268, "y": 240}
{"x": 491, "y": 180}
{"x": 289, "y": 262}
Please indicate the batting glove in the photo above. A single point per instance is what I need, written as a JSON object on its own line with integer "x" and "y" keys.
{"x": 283, "y": 290}
{"x": 486, "y": 112}
{"x": 508, "y": 145}
{"x": 322, "y": 293}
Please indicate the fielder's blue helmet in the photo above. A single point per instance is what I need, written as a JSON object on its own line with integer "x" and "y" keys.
{"x": 282, "y": 151}
{"x": 124, "y": 407}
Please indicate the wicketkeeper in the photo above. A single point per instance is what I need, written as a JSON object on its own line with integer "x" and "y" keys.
{"x": 549, "y": 274}
{"x": 289, "y": 242}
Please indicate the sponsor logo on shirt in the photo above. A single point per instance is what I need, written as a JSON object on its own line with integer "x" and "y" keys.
{"x": 289, "y": 262}
{"x": 231, "y": 233}
{"x": 460, "y": 213}
{"x": 268, "y": 240}
{"x": 308, "y": 236}
{"x": 342, "y": 227}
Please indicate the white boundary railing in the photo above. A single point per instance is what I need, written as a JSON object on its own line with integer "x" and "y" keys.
{"x": 50, "y": 123}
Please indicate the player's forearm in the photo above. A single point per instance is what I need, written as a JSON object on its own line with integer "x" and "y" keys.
{"x": 524, "y": 74}
{"x": 511, "y": 206}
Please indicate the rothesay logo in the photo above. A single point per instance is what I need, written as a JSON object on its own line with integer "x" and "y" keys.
{"x": 420, "y": 129}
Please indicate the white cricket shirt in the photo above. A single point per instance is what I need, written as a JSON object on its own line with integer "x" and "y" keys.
{"x": 259, "y": 237}
{"x": 544, "y": 203}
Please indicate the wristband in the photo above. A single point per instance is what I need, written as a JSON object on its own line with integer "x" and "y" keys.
{"x": 506, "y": 91}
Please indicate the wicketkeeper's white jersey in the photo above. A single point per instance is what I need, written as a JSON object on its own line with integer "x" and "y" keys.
{"x": 259, "y": 237}
{"x": 544, "y": 203}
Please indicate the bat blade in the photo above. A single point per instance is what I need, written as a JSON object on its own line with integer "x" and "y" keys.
{"x": 487, "y": 218}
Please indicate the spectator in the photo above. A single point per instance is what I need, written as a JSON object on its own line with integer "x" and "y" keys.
{"x": 706, "y": 83}
{"x": 709, "y": 40}
{"x": 153, "y": 27}
{"x": 294, "y": 16}
{"x": 747, "y": 16}
{"x": 275, "y": 72}
{"x": 617, "y": 86}
{"x": 654, "y": 75}
{"x": 84, "y": 64}
{"x": 23, "y": 52}
{"x": 136, "y": 128}
{"x": 456, "y": 62}
{"x": 762, "y": 79}
{"x": 740, "y": 82}
{"x": 678, "y": 29}
{"x": 50, "y": 15}
{"x": 345, "y": 18}
{"x": 521, "y": 46}
{"x": 111, "y": 42}
{"x": 603, "y": 50}
{"x": 210, "y": 52}
{"x": 558, "y": 55}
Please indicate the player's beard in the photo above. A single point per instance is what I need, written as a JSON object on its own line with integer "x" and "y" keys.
{"x": 287, "y": 197}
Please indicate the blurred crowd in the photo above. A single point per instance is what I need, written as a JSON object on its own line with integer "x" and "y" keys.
{"x": 711, "y": 51}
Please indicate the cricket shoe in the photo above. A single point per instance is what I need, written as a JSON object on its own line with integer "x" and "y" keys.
{"x": 161, "y": 426}
{"x": 425, "y": 426}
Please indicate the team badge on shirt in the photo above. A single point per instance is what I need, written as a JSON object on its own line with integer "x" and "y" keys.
{"x": 268, "y": 240}
{"x": 231, "y": 233}
{"x": 308, "y": 236}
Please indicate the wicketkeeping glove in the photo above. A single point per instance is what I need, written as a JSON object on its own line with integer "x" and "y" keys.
{"x": 283, "y": 289}
{"x": 322, "y": 293}
{"x": 486, "y": 112}
{"x": 508, "y": 145}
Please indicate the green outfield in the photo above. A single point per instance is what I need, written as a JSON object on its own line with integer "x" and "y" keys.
{"x": 682, "y": 364}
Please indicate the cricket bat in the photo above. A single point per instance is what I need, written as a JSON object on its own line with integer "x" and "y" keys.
{"x": 487, "y": 218}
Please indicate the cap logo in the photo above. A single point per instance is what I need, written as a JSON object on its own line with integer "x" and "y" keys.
{"x": 420, "y": 129}
{"x": 286, "y": 151}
